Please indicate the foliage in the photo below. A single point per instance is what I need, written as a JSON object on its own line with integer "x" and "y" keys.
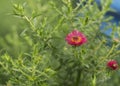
{"x": 45, "y": 59}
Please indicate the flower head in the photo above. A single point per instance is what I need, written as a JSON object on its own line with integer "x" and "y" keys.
{"x": 76, "y": 38}
{"x": 112, "y": 64}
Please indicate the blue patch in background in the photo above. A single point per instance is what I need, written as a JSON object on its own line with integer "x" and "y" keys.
{"x": 115, "y": 5}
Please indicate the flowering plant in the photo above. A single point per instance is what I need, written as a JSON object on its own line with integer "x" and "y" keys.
{"x": 57, "y": 54}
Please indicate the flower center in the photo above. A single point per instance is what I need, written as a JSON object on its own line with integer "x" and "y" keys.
{"x": 76, "y": 39}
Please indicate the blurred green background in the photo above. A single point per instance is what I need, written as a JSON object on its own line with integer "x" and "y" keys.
{"x": 10, "y": 29}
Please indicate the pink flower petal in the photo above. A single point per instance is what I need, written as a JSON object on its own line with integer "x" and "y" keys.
{"x": 75, "y": 33}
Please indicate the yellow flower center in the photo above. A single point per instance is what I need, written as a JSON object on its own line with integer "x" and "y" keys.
{"x": 76, "y": 39}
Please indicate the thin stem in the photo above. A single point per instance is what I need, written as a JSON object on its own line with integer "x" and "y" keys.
{"x": 29, "y": 21}
{"x": 76, "y": 54}
{"x": 117, "y": 53}
{"x": 94, "y": 81}
{"x": 78, "y": 78}
{"x": 110, "y": 51}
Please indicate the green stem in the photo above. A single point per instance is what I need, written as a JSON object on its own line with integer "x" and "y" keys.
{"x": 78, "y": 78}
{"x": 76, "y": 55}
{"x": 108, "y": 54}
{"x": 94, "y": 81}
{"x": 29, "y": 21}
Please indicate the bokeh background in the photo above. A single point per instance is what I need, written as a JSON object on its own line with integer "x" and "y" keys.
{"x": 10, "y": 29}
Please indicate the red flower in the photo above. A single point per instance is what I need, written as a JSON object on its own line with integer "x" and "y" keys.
{"x": 76, "y": 38}
{"x": 112, "y": 64}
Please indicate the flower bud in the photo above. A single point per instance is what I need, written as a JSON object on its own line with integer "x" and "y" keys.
{"x": 112, "y": 64}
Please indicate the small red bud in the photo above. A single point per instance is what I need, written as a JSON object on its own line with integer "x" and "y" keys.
{"x": 112, "y": 64}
